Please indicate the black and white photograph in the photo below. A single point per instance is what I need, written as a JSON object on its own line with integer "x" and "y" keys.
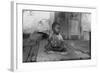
{"x": 55, "y": 36}
{"x": 52, "y": 36}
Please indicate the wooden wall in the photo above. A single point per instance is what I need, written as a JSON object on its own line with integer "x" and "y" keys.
{"x": 75, "y": 25}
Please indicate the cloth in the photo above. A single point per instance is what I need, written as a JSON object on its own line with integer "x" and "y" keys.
{"x": 56, "y": 43}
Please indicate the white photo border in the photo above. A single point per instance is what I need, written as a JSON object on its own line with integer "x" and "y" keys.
{"x": 17, "y": 63}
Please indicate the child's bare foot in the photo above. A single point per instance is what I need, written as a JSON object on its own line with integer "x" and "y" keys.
{"x": 64, "y": 53}
{"x": 49, "y": 52}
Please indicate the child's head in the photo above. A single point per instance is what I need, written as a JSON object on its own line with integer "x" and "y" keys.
{"x": 56, "y": 27}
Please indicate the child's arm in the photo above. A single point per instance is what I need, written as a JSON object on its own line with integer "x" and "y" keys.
{"x": 63, "y": 35}
{"x": 50, "y": 34}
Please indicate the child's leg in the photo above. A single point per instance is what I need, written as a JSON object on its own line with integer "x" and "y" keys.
{"x": 48, "y": 47}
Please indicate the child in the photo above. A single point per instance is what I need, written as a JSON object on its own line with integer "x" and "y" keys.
{"x": 56, "y": 41}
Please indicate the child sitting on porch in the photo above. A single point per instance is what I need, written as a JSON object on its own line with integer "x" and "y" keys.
{"x": 56, "y": 42}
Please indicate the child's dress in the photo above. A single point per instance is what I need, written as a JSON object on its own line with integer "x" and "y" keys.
{"x": 56, "y": 43}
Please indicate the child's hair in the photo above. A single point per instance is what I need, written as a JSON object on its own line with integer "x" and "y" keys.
{"x": 54, "y": 24}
